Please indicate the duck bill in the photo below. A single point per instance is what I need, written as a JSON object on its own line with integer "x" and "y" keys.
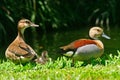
{"x": 105, "y": 36}
{"x": 34, "y": 25}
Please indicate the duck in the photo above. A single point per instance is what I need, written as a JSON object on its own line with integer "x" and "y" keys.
{"x": 85, "y": 49}
{"x": 19, "y": 51}
{"x": 43, "y": 58}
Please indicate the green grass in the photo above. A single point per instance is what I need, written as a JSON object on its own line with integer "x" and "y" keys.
{"x": 62, "y": 69}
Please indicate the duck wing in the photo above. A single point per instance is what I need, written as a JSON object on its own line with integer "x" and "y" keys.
{"x": 70, "y": 49}
{"x": 78, "y": 43}
{"x": 22, "y": 49}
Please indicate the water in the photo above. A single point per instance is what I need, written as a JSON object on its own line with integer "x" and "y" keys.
{"x": 113, "y": 44}
{"x": 52, "y": 41}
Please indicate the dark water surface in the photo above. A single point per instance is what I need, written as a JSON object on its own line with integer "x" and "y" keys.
{"x": 52, "y": 41}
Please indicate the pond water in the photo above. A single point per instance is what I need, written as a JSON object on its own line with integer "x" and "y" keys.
{"x": 52, "y": 41}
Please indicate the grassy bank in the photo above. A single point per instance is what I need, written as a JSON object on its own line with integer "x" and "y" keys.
{"x": 62, "y": 69}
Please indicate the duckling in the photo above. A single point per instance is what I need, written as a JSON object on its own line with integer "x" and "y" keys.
{"x": 19, "y": 51}
{"x": 43, "y": 58}
{"x": 84, "y": 49}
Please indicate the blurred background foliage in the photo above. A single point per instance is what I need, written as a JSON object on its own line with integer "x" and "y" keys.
{"x": 56, "y": 15}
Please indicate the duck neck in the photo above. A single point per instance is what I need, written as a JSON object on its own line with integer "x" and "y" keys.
{"x": 93, "y": 38}
{"x": 21, "y": 34}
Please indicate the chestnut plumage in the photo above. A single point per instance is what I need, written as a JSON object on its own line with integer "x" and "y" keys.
{"x": 84, "y": 49}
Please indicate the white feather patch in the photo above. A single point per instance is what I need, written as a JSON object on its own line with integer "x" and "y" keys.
{"x": 69, "y": 53}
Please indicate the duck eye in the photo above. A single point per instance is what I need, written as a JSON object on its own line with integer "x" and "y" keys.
{"x": 98, "y": 30}
{"x": 27, "y": 22}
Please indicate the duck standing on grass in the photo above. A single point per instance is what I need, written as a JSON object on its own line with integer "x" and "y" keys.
{"x": 18, "y": 51}
{"x": 84, "y": 49}
{"x": 43, "y": 58}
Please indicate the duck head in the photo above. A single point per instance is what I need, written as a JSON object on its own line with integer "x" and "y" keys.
{"x": 25, "y": 23}
{"x": 96, "y": 32}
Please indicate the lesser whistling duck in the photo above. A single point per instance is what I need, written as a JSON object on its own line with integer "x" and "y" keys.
{"x": 18, "y": 51}
{"x": 84, "y": 49}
